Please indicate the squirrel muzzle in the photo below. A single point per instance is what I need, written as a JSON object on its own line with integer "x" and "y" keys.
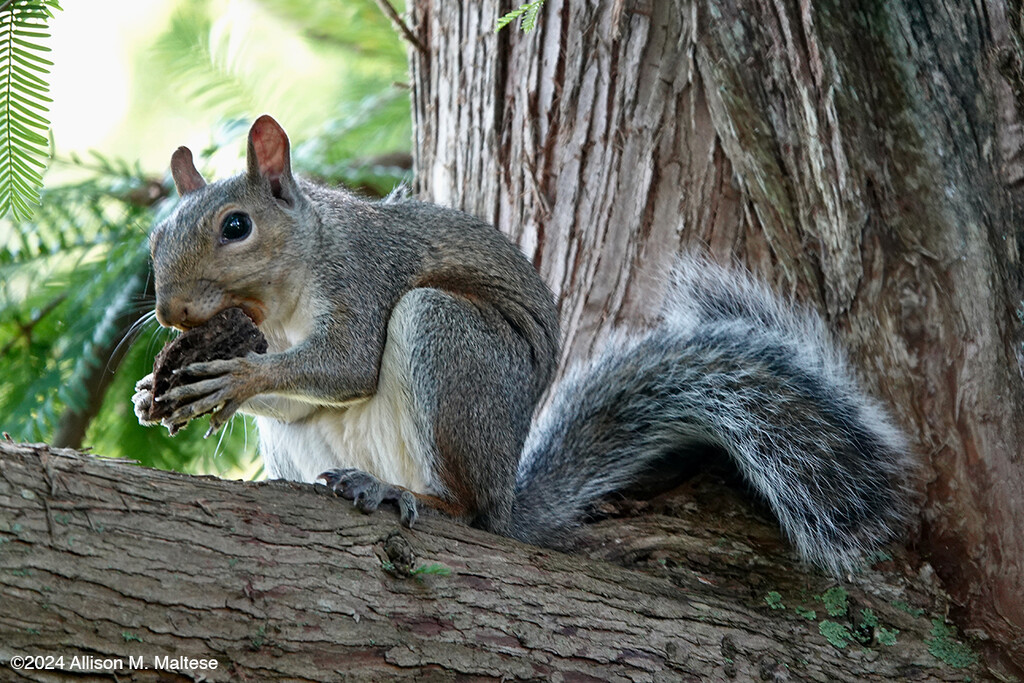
{"x": 179, "y": 313}
{"x": 184, "y": 313}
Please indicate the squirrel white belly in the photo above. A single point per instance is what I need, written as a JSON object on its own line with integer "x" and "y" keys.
{"x": 377, "y": 434}
{"x": 410, "y": 344}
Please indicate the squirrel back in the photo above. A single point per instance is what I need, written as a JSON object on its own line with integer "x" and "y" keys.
{"x": 733, "y": 367}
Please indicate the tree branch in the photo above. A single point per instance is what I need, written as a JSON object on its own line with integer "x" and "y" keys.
{"x": 406, "y": 32}
{"x": 25, "y": 329}
{"x": 284, "y": 580}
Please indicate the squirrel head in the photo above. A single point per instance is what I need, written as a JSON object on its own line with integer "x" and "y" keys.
{"x": 233, "y": 242}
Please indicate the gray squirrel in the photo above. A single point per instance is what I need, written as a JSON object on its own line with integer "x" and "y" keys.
{"x": 409, "y": 345}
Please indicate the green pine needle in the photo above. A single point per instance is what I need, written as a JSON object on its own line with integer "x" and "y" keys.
{"x": 24, "y": 145}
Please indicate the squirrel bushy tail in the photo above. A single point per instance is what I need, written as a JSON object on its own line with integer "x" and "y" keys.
{"x": 733, "y": 367}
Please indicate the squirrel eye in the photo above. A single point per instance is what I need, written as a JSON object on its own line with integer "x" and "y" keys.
{"x": 235, "y": 227}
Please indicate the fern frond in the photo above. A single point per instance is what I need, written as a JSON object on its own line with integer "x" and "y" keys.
{"x": 76, "y": 216}
{"x": 24, "y": 145}
{"x": 377, "y": 124}
{"x": 528, "y": 11}
{"x": 205, "y": 69}
{"x": 357, "y": 26}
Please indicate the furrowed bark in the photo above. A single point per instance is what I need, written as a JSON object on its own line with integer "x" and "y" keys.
{"x": 865, "y": 157}
{"x": 106, "y": 560}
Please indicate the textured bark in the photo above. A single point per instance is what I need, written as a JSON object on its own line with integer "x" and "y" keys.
{"x": 103, "y": 559}
{"x": 865, "y": 156}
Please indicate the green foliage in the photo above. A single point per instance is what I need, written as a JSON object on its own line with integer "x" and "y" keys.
{"x": 238, "y": 65}
{"x": 23, "y": 103}
{"x": 943, "y": 645}
{"x": 805, "y": 613}
{"x": 834, "y": 600}
{"x": 836, "y": 634}
{"x": 774, "y": 600}
{"x": 433, "y": 569}
{"x": 904, "y": 606}
{"x": 75, "y": 277}
{"x": 528, "y": 11}
{"x": 868, "y": 618}
{"x": 63, "y": 279}
{"x": 260, "y": 638}
{"x": 877, "y": 556}
{"x": 355, "y": 26}
{"x": 338, "y": 150}
{"x": 208, "y": 68}
{"x": 887, "y": 636}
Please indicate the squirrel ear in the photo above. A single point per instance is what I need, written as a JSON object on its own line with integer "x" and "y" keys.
{"x": 268, "y": 156}
{"x": 186, "y": 177}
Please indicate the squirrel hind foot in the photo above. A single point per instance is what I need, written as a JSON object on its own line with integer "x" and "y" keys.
{"x": 367, "y": 492}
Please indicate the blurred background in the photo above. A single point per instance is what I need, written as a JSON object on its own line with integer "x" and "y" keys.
{"x": 130, "y": 81}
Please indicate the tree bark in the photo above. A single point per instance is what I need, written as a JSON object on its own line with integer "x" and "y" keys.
{"x": 276, "y": 580}
{"x": 864, "y": 156}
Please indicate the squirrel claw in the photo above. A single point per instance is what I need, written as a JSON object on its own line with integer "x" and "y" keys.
{"x": 367, "y": 492}
{"x": 220, "y": 418}
{"x": 143, "y": 401}
{"x": 407, "y": 509}
{"x": 145, "y": 384}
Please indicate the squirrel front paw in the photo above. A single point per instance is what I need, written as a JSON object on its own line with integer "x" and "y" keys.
{"x": 367, "y": 492}
{"x": 143, "y": 400}
{"x": 227, "y": 385}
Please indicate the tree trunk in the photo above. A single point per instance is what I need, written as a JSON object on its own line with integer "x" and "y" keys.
{"x": 865, "y": 156}
{"x": 104, "y": 561}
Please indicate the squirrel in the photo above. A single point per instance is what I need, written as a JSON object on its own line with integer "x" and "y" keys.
{"x": 409, "y": 345}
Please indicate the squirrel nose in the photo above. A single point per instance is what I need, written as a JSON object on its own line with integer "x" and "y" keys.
{"x": 174, "y": 312}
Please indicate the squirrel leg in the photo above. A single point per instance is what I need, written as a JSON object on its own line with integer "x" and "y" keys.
{"x": 471, "y": 383}
{"x": 469, "y": 380}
